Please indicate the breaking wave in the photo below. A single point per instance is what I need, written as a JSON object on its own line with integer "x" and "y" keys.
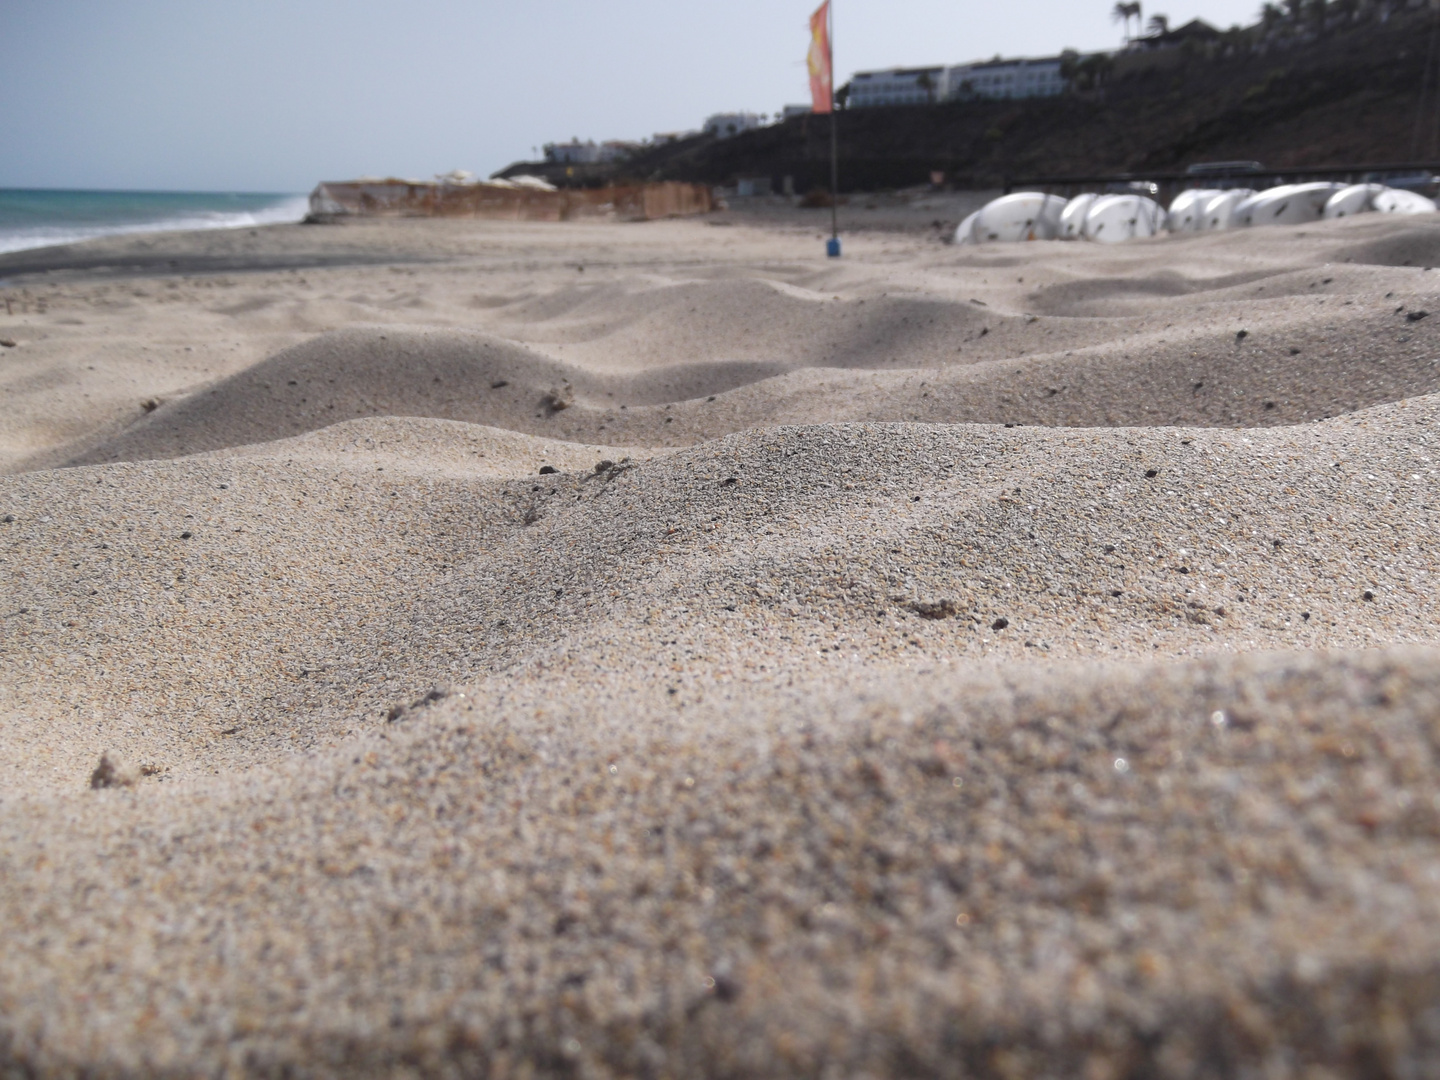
{"x": 34, "y": 219}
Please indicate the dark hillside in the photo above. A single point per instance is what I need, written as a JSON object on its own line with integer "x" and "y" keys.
{"x": 1288, "y": 96}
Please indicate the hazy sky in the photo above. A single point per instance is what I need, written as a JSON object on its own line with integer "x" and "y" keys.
{"x": 274, "y": 95}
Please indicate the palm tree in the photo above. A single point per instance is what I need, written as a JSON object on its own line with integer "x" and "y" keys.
{"x": 1091, "y": 72}
{"x": 1159, "y": 25}
{"x": 1069, "y": 65}
{"x": 1126, "y": 11}
{"x": 926, "y": 83}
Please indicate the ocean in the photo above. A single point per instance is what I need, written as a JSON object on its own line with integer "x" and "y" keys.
{"x": 37, "y": 218}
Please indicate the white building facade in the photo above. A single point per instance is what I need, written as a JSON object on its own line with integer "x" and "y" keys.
{"x": 1007, "y": 79}
{"x": 1023, "y": 78}
{"x": 897, "y": 86}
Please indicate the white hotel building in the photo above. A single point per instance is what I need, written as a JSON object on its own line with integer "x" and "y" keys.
{"x": 897, "y": 86}
{"x": 983, "y": 79}
{"x": 1007, "y": 79}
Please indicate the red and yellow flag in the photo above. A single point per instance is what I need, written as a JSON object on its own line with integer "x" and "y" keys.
{"x": 822, "y": 85}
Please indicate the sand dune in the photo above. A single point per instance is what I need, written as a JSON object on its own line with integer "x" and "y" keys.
{"x": 342, "y": 376}
{"x": 833, "y": 726}
{"x": 1227, "y": 362}
{"x": 283, "y": 589}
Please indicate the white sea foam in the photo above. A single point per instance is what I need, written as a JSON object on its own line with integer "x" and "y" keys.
{"x": 25, "y": 238}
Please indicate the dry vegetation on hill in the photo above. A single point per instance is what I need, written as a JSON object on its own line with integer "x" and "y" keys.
{"x": 1292, "y": 95}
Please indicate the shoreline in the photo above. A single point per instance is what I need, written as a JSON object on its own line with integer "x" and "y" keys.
{"x": 135, "y": 254}
{"x": 36, "y": 219}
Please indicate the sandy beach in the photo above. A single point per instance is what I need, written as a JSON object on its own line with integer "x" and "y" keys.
{"x": 656, "y": 650}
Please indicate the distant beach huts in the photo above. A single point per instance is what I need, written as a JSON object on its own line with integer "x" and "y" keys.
{"x": 1116, "y": 218}
{"x": 524, "y": 198}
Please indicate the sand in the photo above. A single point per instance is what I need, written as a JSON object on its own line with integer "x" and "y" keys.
{"x": 656, "y": 650}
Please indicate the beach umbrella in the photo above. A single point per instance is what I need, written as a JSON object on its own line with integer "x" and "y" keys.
{"x": 965, "y": 231}
{"x": 1072, "y": 220}
{"x": 1400, "y": 201}
{"x": 1355, "y": 199}
{"x": 1114, "y": 219}
{"x": 1220, "y": 210}
{"x": 1288, "y": 204}
{"x": 1025, "y": 215}
{"x": 1188, "y": 210}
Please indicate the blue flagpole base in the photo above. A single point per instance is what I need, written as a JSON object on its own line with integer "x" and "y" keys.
{"x": 832, "y": 247}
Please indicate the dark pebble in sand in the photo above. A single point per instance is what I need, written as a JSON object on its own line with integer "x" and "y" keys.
{"x": 185, "y": 535}
{"x": 548, "y": 470}
{"x": 1416, "y": 316}
{"x": 1000, "y": 623}
{"x": 1241, "y": 335}
{"x": 499, "y": 384}
{"x": 7, "y": 343}
{"x": 109, "y": 774}
{"x": 1367, "y": 595}
{"x": 8, "y": 518}
{"x": 1150, "y": 474}
{"x": 934, "y": 609}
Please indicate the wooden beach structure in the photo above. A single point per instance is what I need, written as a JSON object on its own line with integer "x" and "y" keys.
{"x": 506, "y": 200}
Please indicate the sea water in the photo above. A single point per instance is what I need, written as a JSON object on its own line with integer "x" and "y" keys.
{"x": 35, "y": 218}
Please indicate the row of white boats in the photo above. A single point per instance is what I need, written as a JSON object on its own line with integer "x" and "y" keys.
{"x": 1113, "y": 219}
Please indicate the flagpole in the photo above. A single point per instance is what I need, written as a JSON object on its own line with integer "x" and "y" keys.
{"x": 834, "y": 136}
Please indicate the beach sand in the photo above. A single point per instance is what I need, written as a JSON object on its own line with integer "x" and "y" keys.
{"x": 656, "y": 650}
